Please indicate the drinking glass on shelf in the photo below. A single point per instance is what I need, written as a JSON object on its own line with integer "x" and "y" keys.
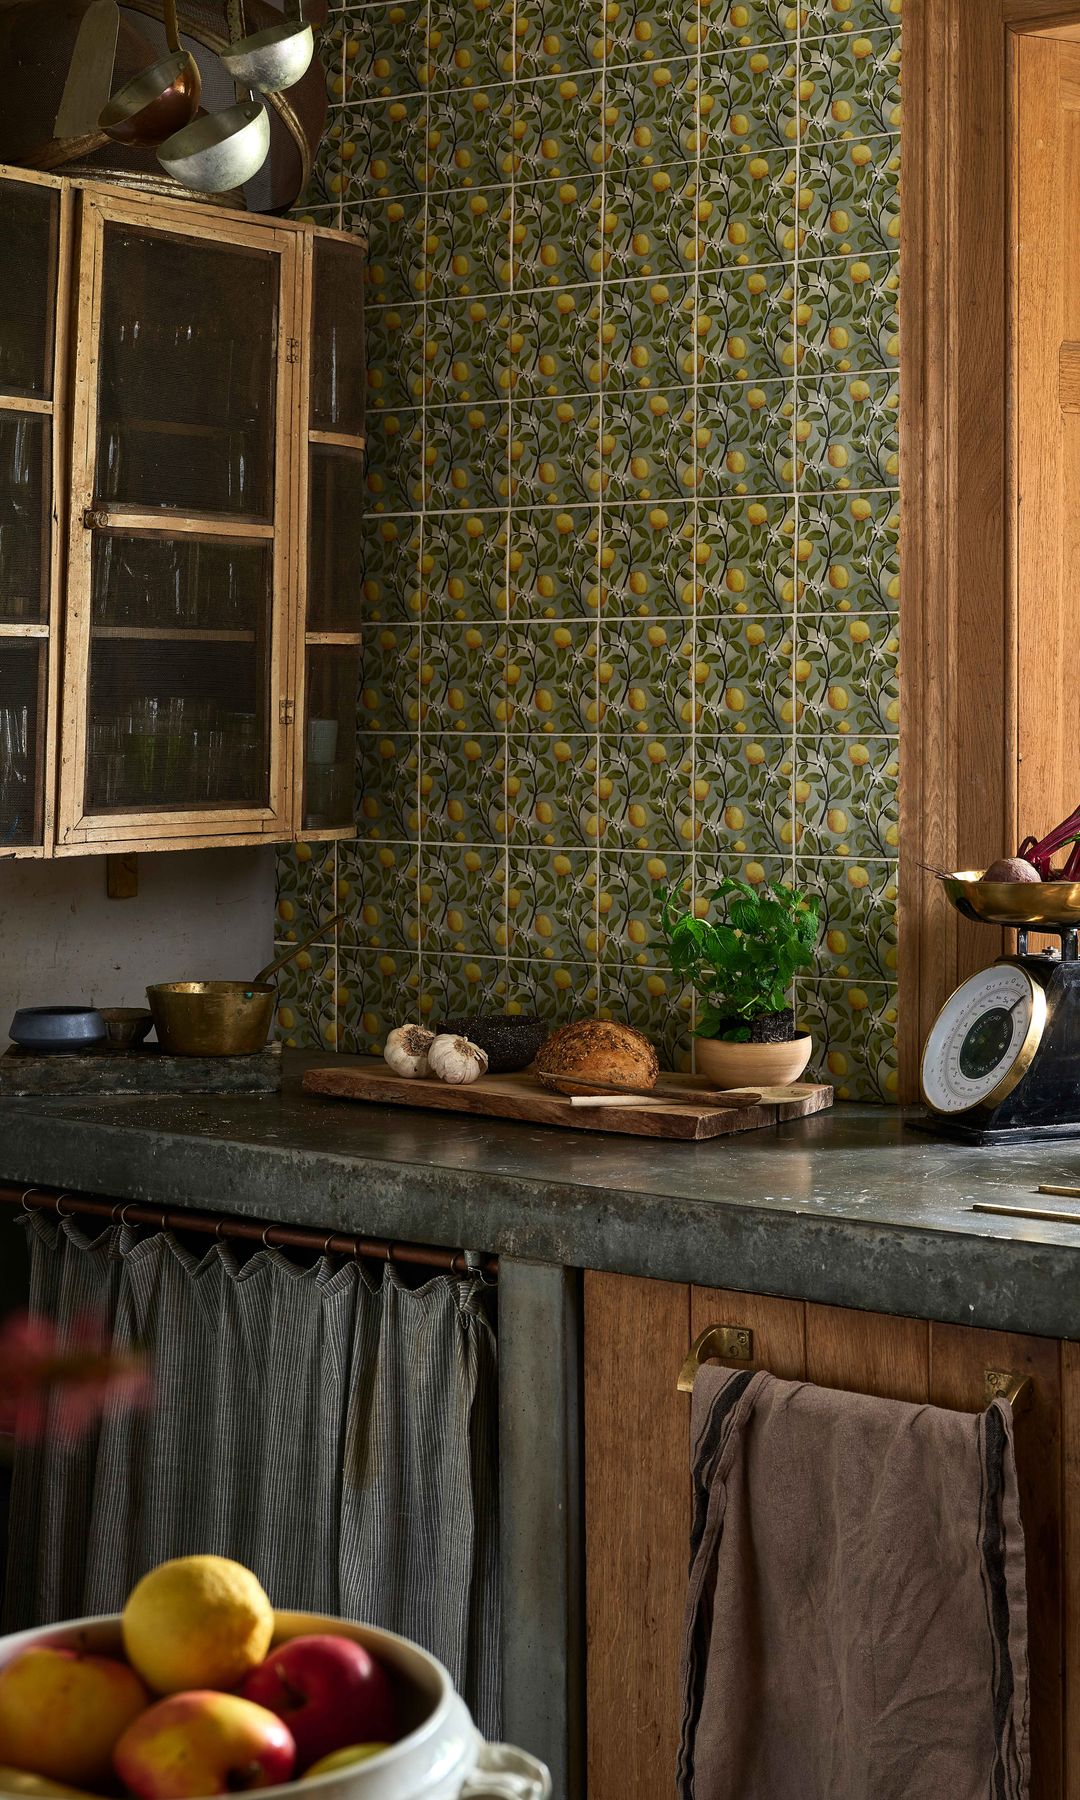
{"x": 16, "y": 798}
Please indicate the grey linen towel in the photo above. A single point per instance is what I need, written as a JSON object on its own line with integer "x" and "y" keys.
{"x": 856, "y": 1623}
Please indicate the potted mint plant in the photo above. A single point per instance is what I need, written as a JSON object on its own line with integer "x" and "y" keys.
{"x": 741, "y": 965}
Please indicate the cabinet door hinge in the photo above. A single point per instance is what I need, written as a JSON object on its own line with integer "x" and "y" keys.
{"x": 292, "y": 350}
{"x": 287, "y": 712}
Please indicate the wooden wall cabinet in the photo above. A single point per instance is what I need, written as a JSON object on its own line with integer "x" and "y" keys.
{"x": 637, "y": 1497}
{"x": 181, "y": 466}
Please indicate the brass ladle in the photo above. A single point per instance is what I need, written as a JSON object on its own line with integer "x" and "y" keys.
{"x": 160, "y": 100}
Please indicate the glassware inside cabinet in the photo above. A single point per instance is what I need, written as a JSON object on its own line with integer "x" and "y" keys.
{"x": 186, "y": 397}
{"x": 179, "y": 673}
{"x": 22, "y": 716}
{"x": 333, "y": 679}
{"x": 335, "y": 538}
{"x": 29, "y": 236}
{"x": 25, "y": 521}
{"x": 338, "y": 375}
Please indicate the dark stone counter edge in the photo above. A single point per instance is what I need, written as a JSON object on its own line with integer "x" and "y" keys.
{"x": 1001, "y": 1283}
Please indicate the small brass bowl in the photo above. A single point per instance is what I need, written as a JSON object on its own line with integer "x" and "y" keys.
{"x": 1048, "y": 905}
{"x": 212, "y": 1018}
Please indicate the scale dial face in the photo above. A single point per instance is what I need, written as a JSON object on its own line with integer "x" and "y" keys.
{"x": 983, "y": 1039}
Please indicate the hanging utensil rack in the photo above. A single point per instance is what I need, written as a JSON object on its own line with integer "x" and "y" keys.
{"x": 225, "y": 1226}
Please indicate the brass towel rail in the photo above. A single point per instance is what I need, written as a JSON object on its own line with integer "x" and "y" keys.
{"x": 224, "y": 1225}
{"x": 735, "y": 1344}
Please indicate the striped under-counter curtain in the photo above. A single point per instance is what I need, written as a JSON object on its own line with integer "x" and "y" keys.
{"x": 335, "y": 1432}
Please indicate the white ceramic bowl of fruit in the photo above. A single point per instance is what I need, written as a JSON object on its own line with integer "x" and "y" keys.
{"x": 200, "y": 1688}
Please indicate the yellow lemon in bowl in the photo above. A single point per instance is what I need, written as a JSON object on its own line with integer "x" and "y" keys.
{"x": 197, "y": 1622}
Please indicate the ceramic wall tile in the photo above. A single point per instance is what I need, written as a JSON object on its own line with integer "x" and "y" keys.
{"x": 850, "y": 86}
{"x": 557, "y": 233}
{"x": 557, "y": 37}
{"x": 464, "y": 573}
{"x": 744, "y": 557}
{"x": 552, "y": 905}
{"x": 462, "y": 900}
{"x": 629, "y": 892}
{"x": 305, "y": 891}
{"x": 630, "y": 580}
{"x": 555, "y": 562}
{"x": 390, "y": 569}
{"x": 469, "y": 137}
{"x": 383, "y": 50}
{"x": 649, "y": 332}
{"x": 552, "y": 786}
{"x": 466, "y": 243}
{"x": 648, "y": 559}
{"x": 378, "y": 990}
{"x": 464, "y": 788}
{"x": 377, "y": 895}
{"x": 470, "y": 45}
{"x": 554, "y": 342}
{"x": 388, "y": 786}
{"x": 854, "y": 1031}
{"x": 646, "y": 792}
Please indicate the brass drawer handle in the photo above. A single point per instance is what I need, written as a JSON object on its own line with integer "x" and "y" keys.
{"x": 732, "y": 1343}
{"x": 1007, "y": 1384}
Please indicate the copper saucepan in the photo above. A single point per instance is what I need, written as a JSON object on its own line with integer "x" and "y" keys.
{"x": 160, "y": 100}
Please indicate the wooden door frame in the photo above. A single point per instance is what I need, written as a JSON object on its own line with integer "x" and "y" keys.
{"x": 958, "y": 735}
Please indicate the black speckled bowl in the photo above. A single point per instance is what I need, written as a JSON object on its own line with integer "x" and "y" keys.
{"x": 511, "y": 1043}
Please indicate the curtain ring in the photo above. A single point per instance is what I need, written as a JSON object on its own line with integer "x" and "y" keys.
{"x": 390, "y": 1254}
{"x": 124, "y": 1211}
{"x": 327, "y": 1244}
{"x": 59, "y": 1213}
{"x": 218, "y": 1228}
{"x": 267, "y": 1228}
{"x": 118, "y": 1208}
{"x": 164, "y": 1226}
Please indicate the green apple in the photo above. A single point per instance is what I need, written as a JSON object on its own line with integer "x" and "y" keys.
{"x": 343, "y": 1759}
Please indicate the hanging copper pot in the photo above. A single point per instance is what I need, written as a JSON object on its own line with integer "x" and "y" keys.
{"x": 159, "y": 100}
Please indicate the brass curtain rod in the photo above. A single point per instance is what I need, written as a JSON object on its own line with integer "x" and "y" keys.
{"x": 222, "y": 1225}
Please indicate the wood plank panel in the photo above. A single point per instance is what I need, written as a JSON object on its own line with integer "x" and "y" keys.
{"x": 959, "y": 1358}
{"x": 637, "y": 1531}
{"x": 869, "y": 1353}
{"x": 779, "y": 1326}
{"x": 1070, "y": 1545}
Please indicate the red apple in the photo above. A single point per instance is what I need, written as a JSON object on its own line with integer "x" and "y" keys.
{"x": 204, "y": 1742}
{"x": 329, "y": 1692}
{"x": 62, "y": 1712}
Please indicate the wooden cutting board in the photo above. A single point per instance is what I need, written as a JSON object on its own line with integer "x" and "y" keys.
{"x": 521, "y": 1097}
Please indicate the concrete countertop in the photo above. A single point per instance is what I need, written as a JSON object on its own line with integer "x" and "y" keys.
{"x": 849, "y": 1207}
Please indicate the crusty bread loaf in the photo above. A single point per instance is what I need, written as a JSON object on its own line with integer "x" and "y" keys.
{"x": 599, "y": 1051}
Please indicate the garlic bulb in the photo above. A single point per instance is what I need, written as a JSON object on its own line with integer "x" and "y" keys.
{"x": 455, "y": 1059}
{"x": 407, "y": 1050}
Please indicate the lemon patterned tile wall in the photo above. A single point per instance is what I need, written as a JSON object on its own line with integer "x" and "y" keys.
{"x": 631, "y": 587}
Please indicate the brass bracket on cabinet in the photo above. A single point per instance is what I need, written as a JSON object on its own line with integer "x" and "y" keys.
{"x": 1007, "y": 1384}
{"x": 286, "y": 712}
{"x": 731, "y": 1343}
{"x": 95, "y": 518}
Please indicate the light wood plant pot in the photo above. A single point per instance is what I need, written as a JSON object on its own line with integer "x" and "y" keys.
{"x": 752, "y": 1065}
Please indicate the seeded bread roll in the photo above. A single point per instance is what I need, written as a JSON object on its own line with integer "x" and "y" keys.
{"x": 599, "y": 1052}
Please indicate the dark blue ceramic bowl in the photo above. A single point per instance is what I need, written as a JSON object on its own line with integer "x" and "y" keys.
{"x": 57, "y": 1028}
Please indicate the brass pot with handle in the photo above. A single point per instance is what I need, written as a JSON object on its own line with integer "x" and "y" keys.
{"x": 221, "y": 1018}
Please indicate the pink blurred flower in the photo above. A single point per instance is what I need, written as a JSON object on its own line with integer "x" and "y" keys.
{"x": 56, "y": 1386}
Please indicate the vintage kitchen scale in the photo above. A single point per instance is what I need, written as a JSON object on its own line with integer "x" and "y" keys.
{"x": 1002, "y": 1061}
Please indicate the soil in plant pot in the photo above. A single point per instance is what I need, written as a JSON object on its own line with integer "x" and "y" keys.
{"x": 770, "y": 1028}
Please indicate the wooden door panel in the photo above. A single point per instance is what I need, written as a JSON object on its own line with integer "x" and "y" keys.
{"x": 870, "y": 1353}
{"x": 779, "y": 1326}
{"x": 637, "y": 1531}
{"x": 959, "y": 1359}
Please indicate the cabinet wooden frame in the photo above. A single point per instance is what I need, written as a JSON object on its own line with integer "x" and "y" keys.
{"x": 309, "y": 436}
{"x": 86, "y": 207}
{"x": 960, "y": 727}
{"x": 77, "y": 829}
{"x": 49, "y": 631}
